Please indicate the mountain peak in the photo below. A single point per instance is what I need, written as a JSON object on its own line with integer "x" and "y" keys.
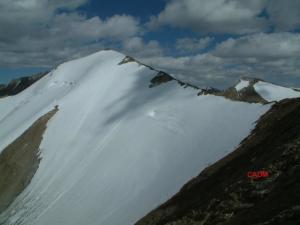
{"x": 122, "y": 134}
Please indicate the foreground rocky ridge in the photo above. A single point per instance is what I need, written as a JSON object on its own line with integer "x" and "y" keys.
{"x": 223, "y": 194}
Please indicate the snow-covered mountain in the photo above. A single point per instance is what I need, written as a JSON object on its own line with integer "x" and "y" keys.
{"x": 124, "y": 138}
{"x": 254, "y": 90}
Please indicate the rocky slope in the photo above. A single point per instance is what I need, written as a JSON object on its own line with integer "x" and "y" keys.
{"x": 224, "y": 194}
{"x": 20, "y": 84}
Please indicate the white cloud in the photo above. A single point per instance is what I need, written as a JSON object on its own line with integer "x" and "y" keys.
{"x": 77, "y": 27}
{"x": 35, "y": 33}
{"x": 273, "y": 57}
{"x": 136, "y": 47}
{"x": 193, "y": 44}
{"x": 261, "y": 46}
{"x": 218, "y": 16}
{"x": 230, "y": 16}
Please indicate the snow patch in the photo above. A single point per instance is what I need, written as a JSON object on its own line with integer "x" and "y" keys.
{"x": 241, "y": 85}
{"x": 151, "y": 113}
{"x": 271, "y": 92}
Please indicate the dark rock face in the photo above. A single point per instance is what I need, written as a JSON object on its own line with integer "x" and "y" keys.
{"x": 129, "y": 59}
{"x": 160, "y": 78}
{"x": 224, "y": 194}
{"x": 18, "y": 85}
{"x": 209, "y": 91}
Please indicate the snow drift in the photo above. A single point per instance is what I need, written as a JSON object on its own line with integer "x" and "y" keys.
{"x": 116, "y": 148}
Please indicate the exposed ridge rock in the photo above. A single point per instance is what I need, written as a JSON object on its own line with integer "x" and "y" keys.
{"x": 246, "y": 94}
{"x": 160, "y": 78}
{"x": 128, "y": 59}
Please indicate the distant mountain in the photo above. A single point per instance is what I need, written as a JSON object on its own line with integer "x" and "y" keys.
{"x": 105, "y": 139}
{"x": 254, "y": 90}
{"x": 20, "y": 84}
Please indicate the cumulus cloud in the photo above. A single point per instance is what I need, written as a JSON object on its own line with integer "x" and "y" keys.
{"x": 218, "y": 16}
{"x": 261, "y": 46}
{"x": 46, "y": 32}
{"x": 209, "y": 70}
{"x": 201, "y": 69}
{"x": 191, "y": 45}
{"x": 229, "y": 16}
{"x": 136, "y": 47}
{"x": 274, "y": 57}
{"x": 284, "y": 15}
{"x": 36, "y": 34}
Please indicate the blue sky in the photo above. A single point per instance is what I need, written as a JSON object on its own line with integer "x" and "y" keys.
{"x": 207, "y": 42}
{"x": 107, "y": 8}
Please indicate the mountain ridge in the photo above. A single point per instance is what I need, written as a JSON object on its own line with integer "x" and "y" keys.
{"x": 246, "y": 94}
{"x": 114, "y": 118}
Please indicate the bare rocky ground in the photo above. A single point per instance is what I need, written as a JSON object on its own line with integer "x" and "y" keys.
{"x": 223, "y": 194}
{"x": 20, "y": 160}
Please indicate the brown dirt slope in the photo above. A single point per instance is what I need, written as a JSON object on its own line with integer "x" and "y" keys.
{"x": 20, "y": 160}
{"x": 223, "y": 194}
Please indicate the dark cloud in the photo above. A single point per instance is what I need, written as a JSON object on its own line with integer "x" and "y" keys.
{"x": 284, "y": 15}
